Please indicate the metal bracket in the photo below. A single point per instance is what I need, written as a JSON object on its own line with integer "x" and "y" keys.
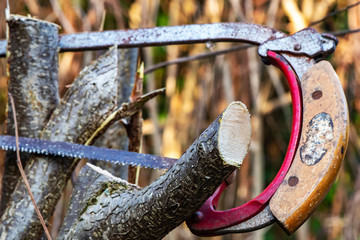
{"x": 307, "y": 42}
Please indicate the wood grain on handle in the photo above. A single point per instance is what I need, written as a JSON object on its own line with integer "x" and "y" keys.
{"x": 321, "y": 149}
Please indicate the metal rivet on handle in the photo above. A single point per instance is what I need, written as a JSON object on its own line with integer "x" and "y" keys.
{"x": 198, "y": 216}
{"x": 316, "y": 95}
{"x": 293, "y": 181}
{"x": 297, "y": 47}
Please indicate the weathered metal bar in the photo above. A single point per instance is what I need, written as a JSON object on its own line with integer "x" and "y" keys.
{"x": 158, "y": 36}
{"x": 198, "y": 33}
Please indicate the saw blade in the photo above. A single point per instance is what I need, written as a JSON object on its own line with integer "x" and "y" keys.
{"x": 72, "y": 150}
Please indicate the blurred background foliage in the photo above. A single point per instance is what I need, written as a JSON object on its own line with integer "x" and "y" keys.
{"x": 197, "y": 91}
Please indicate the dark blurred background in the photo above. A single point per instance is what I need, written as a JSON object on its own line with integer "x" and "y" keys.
{"x": 197, "y": 91}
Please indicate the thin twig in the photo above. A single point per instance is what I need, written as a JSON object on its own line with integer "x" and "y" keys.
{"x": 21, "y": 169}
{"x": 334, "y": 13}
{"x": 134, "y": 128}
{"x": 196, "y": 57}
{"x": 126, "y": 110}
{"x": 342, "y": 33}
{"x": 61, "y": 17}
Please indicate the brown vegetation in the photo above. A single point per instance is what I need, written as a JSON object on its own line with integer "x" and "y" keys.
{"x": 198, "y": 91}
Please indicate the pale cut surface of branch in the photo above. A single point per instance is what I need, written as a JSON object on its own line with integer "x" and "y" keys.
{"x": 150, "y": 213}
{"x": 83, "y": 108}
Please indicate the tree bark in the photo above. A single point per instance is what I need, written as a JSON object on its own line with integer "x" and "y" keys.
{"x": 85, "y": 105}
{"x": 91, "y": 181}
{"x": 104, "y": 207}
{"x": 33, "y": 67}
{"x": 117, "y": 212}
{"x": 115, "y": 136}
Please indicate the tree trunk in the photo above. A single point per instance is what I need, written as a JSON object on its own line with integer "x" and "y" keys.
{"x": 119, "y": 212}
{"x": 85, "y": 105}
{"x": 33, "y": 67}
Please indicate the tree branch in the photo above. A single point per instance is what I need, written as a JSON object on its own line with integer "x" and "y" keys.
{"x": 126, "y": 110}
{"x": 83, "y": 108}
{"x": 91, "y": 181}
{"x": 117, "y": 212}
{"x": 115, "y": 135}
{"x": 134, "y": 128}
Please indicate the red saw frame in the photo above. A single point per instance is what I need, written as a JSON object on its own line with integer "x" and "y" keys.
{"x": 207, "y": 219}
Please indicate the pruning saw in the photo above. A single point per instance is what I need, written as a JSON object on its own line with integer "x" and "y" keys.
{"x": 320, "y": 123}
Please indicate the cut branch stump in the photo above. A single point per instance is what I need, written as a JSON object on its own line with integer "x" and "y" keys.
{"x": 119, "y": 212}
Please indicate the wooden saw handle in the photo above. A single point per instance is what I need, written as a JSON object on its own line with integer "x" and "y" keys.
{"x": 321, "y": 149}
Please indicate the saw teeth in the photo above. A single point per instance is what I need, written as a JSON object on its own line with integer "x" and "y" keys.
{"x": 120, "y": 162}
{"x": 78, "y": 151}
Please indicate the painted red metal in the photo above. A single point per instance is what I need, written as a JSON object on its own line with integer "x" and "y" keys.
{"x": 208, "y": 218}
